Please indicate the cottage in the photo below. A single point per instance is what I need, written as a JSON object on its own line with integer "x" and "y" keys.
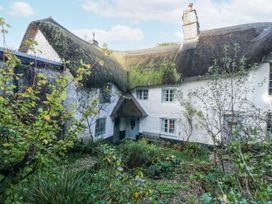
{"x": 143, "y": 83}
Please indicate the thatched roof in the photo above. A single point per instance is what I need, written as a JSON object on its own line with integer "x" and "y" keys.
{"x": 156, "y": 66}
{"x": 73, "y": 49}
{"x": 255, "y": 41}
{"x": 150, "y": 67}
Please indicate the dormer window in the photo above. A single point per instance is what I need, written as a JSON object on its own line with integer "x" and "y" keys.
{"x": 142, "y": 94}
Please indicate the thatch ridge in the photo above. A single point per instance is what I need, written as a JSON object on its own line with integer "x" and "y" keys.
{"x": 255, "y": 41}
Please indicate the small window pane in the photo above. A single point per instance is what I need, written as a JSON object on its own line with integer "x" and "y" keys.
{"x": 142, "y": 94}
{"x": 168, "y": 95}
{"x": 100, "y": 127}
{"x": 168, "y": 125}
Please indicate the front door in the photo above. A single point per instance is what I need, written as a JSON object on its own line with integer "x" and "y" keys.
{"x": 133, "y": 127}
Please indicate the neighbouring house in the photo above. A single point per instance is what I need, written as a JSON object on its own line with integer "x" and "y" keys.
{"x": 143, "y": 83}
{"x": 30, "y": 65}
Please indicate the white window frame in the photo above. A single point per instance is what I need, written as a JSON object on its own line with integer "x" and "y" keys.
{"x": 142, "y": 94}
{"x": 100, "y": 129}
{"x": 168, "y": 95}
{"x": 165, "y": 125}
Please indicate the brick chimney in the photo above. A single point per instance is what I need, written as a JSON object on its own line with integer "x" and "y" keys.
{"x": 190, "y": 24}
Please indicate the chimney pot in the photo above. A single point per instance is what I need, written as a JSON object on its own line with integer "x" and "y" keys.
{"x": 190, "y": 6}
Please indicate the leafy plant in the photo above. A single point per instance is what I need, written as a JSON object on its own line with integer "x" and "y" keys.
{"x": 60, "y": 188}
{"x": 195, "y": 150}
{"x": 33, "y": 117}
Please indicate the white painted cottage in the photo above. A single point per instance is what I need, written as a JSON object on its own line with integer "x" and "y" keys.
{"x": 143, "y": 83}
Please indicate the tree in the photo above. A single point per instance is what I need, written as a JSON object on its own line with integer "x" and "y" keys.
{"x": 223, "y": 107}
{"x": 236, "y": 126}
{"x": 33, "y": 118}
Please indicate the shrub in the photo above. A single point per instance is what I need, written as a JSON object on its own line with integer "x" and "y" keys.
{"x": 160, "y": 168}
{"x": 196, "y": 150}
{"x": 85, "y": 146}
{"x": 112, "y": 184}
{"x": 61, "y": 188}
{"x": 155, "y": 161}
{"x": 137, "y": 154}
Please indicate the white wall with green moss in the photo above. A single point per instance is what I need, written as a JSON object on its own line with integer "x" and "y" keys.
{"x": 257, "y": 81}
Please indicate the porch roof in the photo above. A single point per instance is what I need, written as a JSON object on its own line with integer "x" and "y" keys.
{"x": 128, "y": 106}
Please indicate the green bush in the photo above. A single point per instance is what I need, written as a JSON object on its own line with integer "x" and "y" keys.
{"x": 160, "y": 168}
{"x": 155, "y": 160}
{"x": 196, "y": 150}
{"x": 140, "y": 153}
{"x": 60, "y": 188}
{"x": 85, "y": 146}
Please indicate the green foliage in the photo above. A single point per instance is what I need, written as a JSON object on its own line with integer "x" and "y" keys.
{"x": 156, "y": 161}
{"x": 248, "y": 181}
{"x": 117, "y": 185}
{"x": 163, "y": 73}
{"x": 59, "y": 188}
{"x": 32, "y": 120}
{"x": 85, "y": 146}
{"x": 205, "y": 198}
{"x": 139, "y": 153}
{"x": 165, "y": 191}
{"x": 196, "y": 150}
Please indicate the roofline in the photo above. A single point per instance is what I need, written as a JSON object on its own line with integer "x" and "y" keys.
{"x": 27, "y": 58}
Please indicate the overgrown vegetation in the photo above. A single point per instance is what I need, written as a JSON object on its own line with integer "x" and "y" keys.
{"x": 40, "y": 164}
{"x": 163, "y": 72}
{"x": 32, "y": 119}
{"x": 113, "y": 179}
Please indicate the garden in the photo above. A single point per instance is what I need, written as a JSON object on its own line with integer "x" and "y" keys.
{"x": 142, "y": 172}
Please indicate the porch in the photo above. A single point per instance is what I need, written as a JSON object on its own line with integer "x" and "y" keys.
{"x": 127, "y": 115}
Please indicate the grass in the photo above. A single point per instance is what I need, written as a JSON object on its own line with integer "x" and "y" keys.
{"x": 182, "y": 155}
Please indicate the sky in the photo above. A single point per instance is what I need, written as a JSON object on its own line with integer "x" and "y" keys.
{"x": 129, "y": 24}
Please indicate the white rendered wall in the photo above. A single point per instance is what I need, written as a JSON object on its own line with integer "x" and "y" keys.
{"x": 76, "y": 96}
{"x": 156, "y": 109}
{"x": 44, "y": 49}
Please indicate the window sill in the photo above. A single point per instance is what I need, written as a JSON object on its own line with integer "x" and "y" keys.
{"x": 175, "y": 137}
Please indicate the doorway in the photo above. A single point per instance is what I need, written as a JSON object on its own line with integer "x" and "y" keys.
{"x": 132, "y": 127}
